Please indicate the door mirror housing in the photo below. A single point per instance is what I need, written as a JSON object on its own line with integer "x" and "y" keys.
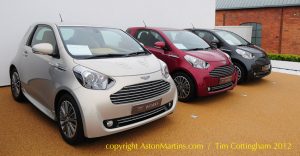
{"x": 43, "y": 49}
{"x": 215, "y": 43}
{"x": 160, "y": 45}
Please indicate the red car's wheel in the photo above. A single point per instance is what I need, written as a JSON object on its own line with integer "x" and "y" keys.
{"x": 185, "y": 86}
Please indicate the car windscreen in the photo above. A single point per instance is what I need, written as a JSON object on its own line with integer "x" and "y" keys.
{"x": 185, "y": 40}
{"x": 232, "y": 38}
{"x": 95, "y": 42}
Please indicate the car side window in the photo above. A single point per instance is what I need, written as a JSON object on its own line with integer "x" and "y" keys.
{"x": 207, "y": 36}
{"x": 148, "y": 37}
{"x": 43, "y": 34}
{"x": 200, "y": 34}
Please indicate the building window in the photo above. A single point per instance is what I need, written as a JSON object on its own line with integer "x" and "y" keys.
{"x": 256, "y": 33}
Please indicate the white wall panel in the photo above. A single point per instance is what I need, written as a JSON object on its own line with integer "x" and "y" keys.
{"x": 16, "y": 16}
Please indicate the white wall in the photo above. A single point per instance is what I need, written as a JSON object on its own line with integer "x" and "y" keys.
{"x": 16, "y": 16}
{"x": 244, "y": 31}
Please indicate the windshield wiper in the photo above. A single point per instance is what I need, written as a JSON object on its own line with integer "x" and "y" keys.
{"x": 106, "y": 56}
{"x": 138, "y": 53}
{"x": 244, "y": 44}
{"x": 117, "y": 55}
{"x": 195, "y": 49}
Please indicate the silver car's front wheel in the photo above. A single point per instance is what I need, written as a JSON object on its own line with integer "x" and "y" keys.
{"x": 69, "y": 120}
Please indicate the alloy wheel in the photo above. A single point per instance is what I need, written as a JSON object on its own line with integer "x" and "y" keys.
{"x": 183, "y": 86}
{"x": 239, "y": 72}
{"x": 16, "y": 84}
{"x": 68, "y": 119}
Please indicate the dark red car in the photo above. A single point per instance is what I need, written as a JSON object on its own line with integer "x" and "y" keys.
{"x": 196, "y": 68}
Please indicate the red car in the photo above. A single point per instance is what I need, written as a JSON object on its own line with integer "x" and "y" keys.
{"x": 196, "y": 68}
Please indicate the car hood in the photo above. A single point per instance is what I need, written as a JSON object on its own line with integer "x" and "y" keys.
{"x": 252, "y": 49}
{"x": 128, "y": 66}
{"x": 209, "y": 56}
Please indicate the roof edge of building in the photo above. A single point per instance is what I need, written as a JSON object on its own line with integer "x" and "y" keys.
{"x": 258, "y": 7}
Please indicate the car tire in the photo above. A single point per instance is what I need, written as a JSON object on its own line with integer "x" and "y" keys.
{"x": 15, "y": 86}
{"x": 185, "y": 86}
{"x": 241, "y": 72}
{"x": 69, "y": 120}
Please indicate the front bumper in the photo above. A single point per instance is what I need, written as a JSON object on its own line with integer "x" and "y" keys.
{"x": 211, "y": 86}
{"x": 96, "y": 106}
{"x": 260, "y": 68}
{"x": 208, "y": 85}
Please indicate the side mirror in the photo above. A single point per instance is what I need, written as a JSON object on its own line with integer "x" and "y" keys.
{"x": 215, "y": 43}
{"x": 43, "y": 49}
{"x": 160, "y": 45}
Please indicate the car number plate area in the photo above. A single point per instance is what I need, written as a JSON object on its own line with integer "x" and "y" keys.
{"x": 225, "y": 79}
{"x": 145, "y": 107}
{"x": 266, "y": 67}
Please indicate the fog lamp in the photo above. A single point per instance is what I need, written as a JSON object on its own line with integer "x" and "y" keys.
{"x": 109, "y": 123}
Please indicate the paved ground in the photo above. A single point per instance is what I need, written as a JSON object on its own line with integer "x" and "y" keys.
{"x": 264, "y": 112}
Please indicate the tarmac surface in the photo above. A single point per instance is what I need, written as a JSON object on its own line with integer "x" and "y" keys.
{"x": 256, "y": 118}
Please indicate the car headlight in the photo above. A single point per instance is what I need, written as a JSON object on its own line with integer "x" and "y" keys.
{"x": 245, "y": 54}
{"x": 91, "y": 79}
{"x": 227, "y": 55}
{"x": 164, "y": 69}
{"x": 196, "y": 62}
{"x": 229, "y": 58}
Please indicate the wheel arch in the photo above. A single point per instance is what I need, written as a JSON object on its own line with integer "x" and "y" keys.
{"x": 11, "y": 67}
{"x": 242, "y": 64}
{"x": 61, "y": 93}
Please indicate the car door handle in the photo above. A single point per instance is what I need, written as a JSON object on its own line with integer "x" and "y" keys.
{"x": 173, "y": 56}
{"x": 225, "y": 50}
{"x": 57, "y": 66}
{"x": 25, "y": 53}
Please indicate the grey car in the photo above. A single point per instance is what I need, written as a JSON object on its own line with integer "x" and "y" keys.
{"x": 251, "y": 61}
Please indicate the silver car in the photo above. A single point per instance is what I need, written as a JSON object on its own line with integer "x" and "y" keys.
{"x": 93, "y": 81}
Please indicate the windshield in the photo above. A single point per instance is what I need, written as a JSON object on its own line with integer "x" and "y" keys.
{"x": 91, "y": 42}
{"x": 232, "y": 38}
{"x": 185, "y": 40}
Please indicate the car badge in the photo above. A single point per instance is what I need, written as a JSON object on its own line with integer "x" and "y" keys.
{"x": 145, "y": 77}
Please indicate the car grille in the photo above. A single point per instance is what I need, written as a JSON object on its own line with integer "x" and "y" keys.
{"x": 139, "y": 92}
{"x": 222, "y": 71}
{"x": 220, "y": 87}
{"x": 124, "y": 121}
{"x": 262, "y": 61}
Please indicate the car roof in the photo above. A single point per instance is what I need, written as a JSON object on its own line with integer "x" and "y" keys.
{"x": 199, "y": 29}
{"x": 210, "y": 30}
{"x": 156, "y": 28}
{"x": 71, "y": 24}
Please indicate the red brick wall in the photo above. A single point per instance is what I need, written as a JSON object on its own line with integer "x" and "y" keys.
{"x": 291, "y": 31}
{"x": 270, "y": 19}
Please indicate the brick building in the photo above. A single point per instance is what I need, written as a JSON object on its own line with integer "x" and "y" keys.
{"x": 275, "y": 23}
